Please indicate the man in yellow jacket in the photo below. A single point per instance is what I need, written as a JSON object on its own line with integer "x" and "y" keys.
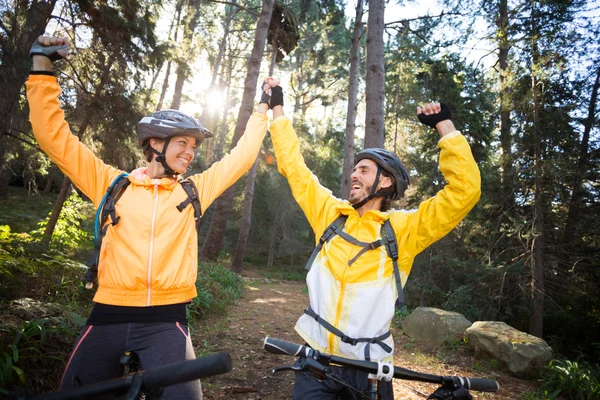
{"x": 351, "y": 282}
{"x": 148, "y": 262}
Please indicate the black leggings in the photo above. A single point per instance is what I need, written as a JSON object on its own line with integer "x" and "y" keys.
{"x": 98, "y": 350}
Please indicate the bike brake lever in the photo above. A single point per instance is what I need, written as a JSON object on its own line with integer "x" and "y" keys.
{"x": 287, "y": 368}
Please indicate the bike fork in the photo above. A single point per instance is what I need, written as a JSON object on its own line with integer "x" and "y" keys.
{"x": 372, "y": 391}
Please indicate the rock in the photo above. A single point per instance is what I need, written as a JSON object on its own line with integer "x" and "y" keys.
{"x": 435, "y": 326}
{"x": 29, "y": 309}
{"x": 522, "y": 354}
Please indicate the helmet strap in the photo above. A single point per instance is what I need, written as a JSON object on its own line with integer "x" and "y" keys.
{"x": 161, "y": 158}
{"x": 374, "y": 192}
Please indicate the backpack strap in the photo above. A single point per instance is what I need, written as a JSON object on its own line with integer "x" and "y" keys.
{"x": 333, "y": 229}
{"x": 105, "y": 210}
{"x": 391, "y": 245}
{"x": 365, "y": 245}
{"x": 347, "y": 339}
{"x": 194, "y": 199}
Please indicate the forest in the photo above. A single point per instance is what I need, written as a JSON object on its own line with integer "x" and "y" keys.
{"x": 521, "y": 78}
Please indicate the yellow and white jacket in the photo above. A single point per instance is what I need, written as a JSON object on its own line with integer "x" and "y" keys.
{"x": 359, "y": 300}
{"x": 150, "y": 257}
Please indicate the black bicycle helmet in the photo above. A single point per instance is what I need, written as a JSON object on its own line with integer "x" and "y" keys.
{"x": 390, "y": 163}
{"x": 168, "y": 123}
{"x": 165, "y": 125}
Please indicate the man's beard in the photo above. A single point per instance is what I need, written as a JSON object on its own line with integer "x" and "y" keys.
{"x": 368, "y": 190}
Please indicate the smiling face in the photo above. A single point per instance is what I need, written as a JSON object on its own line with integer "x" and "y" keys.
{"x": 180, "y": 151}
{"x": 363, "y": 178}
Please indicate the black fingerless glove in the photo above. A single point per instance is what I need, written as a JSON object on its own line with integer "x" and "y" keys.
{"x": 432, "y": 119}
{"x": 276, "y": 97}
{"x": 264, "y": 98}
{"x": 51, "y": 51}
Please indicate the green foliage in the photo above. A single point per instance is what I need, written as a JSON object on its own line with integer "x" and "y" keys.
{"x": 69, "y": 235}
{"x": 461, "y": 300}
{"x": 570, "y": 380}
{"x": 19, "y": 344}
{"x": 29, "y": 270}
{"x": 217, "y": 287}
{"x": 22, "y": 210}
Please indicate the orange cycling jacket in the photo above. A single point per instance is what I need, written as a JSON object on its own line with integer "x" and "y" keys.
{"x": 150, "y": 257}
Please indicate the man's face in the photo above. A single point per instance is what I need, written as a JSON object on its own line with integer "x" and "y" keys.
{"x": 363, "y": 177}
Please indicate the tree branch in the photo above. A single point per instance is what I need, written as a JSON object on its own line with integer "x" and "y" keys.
{"x": 404, "y": 21}
{"x": 23, "y": 140}
{"x": 255, "y": 13}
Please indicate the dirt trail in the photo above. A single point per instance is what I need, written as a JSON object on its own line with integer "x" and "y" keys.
{"x": 271, "y": 309}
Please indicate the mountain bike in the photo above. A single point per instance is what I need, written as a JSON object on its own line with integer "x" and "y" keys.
{"x": 143, "y": 384}
{"x": 319, "y": 365}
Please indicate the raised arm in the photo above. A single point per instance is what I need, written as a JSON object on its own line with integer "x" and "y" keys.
{"x": 224, "y": 173}
{"x": 438, "y": 215}
{"x": 317, "y": 202}
{"x": 51, "y": 130}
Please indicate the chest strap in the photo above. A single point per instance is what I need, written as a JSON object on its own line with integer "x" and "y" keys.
{"x": 350, "y": 340}
{"x": 388, "y": 239}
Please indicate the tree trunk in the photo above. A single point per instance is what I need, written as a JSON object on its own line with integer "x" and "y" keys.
{"x": 151, "y": 88}
{"x": 220, "y": 145}
{"x": 348, "y": 163}
{"x": 16, "y": 64}
{"x": 183, "y": 64}
{"x": 506, "y": 159}
{"x": 165, "y": 87}
{"x": 375, "y": 78}
{"x": 536, "y": 323}
{"x": 240, "y": 250}
{"x": 65, "y": 190}
{"x": 577, "y": 191}
{"x": 273, "y": 243}
{"x": 50, "y": 180}
{"x": 214, "y": 237}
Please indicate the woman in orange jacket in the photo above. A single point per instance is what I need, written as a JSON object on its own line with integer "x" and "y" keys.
{"x": 147, "y": 263}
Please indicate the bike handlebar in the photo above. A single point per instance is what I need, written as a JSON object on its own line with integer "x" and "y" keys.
{"x": 167, "y": 375}
{"x": 278, "y": 346}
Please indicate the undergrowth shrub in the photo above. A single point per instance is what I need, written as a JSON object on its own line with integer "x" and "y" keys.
{"x": 31, "y": 357}
{"x": 217, "y": 287}
{"x": 70, "y": 235}
{"x": 29, "y": 270}
{"x": 564, "y": 379}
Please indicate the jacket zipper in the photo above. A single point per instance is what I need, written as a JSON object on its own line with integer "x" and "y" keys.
{"x": 152, "y": 244}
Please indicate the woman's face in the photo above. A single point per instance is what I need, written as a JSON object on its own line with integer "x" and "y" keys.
{"x": 180, "y": 152}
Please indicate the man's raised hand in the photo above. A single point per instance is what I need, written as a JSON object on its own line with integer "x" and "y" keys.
{"x": 53, "y": 48}
{"x": 433, "y": 113}
{"x": 272, "y": 94}
{"x": 436, "y": 115}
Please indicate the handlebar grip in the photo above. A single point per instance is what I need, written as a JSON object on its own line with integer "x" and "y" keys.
{"x": 172, "y": 374}
{"x": 480, "y": 385}
{"x": 278, "y": 346}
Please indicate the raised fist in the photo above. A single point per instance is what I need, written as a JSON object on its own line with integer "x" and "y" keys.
{"x": 433, "y": 113}
{"x": 52, "y": 47}
{"x": 272, "y": 94}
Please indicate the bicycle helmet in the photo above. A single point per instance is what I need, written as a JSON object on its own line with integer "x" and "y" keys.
{"x": 165, "y": 125}
{"x": 389, "y": 162}
{"x": 168, "y": 123}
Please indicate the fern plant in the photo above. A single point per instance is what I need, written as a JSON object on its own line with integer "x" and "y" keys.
{"x": 570, "y": 380}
